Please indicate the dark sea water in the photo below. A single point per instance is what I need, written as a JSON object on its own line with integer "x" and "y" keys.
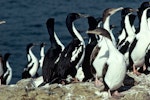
{"x": 25, "y": 23}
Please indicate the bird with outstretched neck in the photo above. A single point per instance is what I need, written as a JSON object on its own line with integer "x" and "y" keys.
{"x": 52, "y": 55}
{"x": 69, "y": 64}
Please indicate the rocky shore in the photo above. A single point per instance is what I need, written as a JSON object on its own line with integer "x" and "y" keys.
{"x": 25, "y": 90}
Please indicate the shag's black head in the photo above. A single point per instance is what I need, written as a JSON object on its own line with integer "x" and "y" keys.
{"x": 50, "y": 25}
{"x": 92, "y": 22}
{"x": 132, "y": 18}
{"x": 143, "y": 6}
{"x": 73, "y": 16}
{"x": 50, "y": 21}
{"x": 111, "y": 11}
{"x": 6, "y": 56}
{"x": 126, "y": 11}
{"x": 92, "y": 25}
{"x": 42, "y": 44}
{"x": 29, "y": 46}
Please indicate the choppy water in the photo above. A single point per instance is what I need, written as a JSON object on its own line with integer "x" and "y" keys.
{"x": 25, "y": 23}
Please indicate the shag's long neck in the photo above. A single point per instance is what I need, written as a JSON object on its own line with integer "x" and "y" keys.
{"x": 73, "y": 31}
{"x": 5, "y": 59}
{"x": 8, "y": 66}
{"x": 31, "y": 54}
{"x": 51, "y": 33}
{"x": 28, "y": 57}
{"x": 42, "y": 51}
{"x": 111, "y": 47}
{"x": 93, "y": 23}
{"x": 58, "y": 41}
{"x": 122, "y": 35}
{"x": 53, "y": 37}
{"x": 144, "y": 24}
{"x": 128, "y": 26}
{"x": 106, "y": 25}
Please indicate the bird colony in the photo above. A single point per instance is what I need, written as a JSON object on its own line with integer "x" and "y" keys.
{"x": 104, "y": 59}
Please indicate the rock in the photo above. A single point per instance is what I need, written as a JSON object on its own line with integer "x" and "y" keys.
{"x": 26, "y": 90}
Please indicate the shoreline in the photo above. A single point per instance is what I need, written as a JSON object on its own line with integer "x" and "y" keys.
{"x": 79, "y": 91}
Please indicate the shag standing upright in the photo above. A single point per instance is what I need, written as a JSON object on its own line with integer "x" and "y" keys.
{"x": 138, "y": 48}
{"x": 93, "y": 40}
{"x": 114, "y": 69}
{"x": 31, "y": 68}
{"x": 106, "y": 21}
{"x": 42, "y": 54}
{"x": 130, "y": 33}
{"x": 7, "y": 76}
{"x": 73, "y": 54}
{"x": 52, "y": 55}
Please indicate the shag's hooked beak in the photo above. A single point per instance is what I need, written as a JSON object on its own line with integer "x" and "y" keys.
{"x": 95, "y": 31}
{"x": 100, "y": 31}
{"x": 2, "y": 22}
{"x": 116, "y": 9}
{"x": 134, "y": 10}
